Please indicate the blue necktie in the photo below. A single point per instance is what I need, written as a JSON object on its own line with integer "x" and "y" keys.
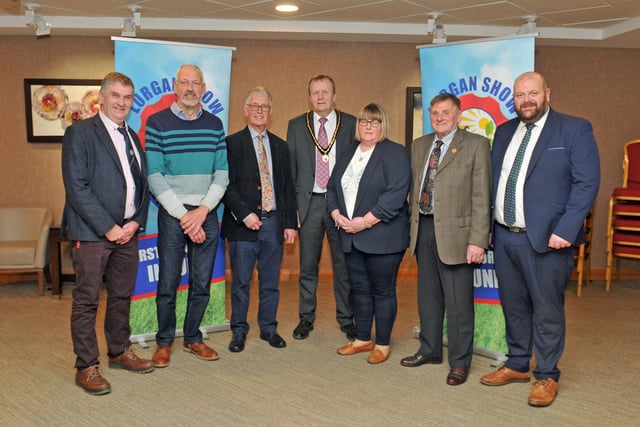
{"x": 510, "y": 189}
{"x": 136, "y": 173}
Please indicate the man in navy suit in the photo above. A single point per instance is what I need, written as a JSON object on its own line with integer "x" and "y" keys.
{"x": 546, "y": 174}
{"x": 107, "y": 200}
{"x": 259, "y": 216}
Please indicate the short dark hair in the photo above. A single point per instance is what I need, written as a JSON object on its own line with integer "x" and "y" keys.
{"x": 441, "y": 97}
{"x": 319, "y": 77}
{"x": 115, "y": 77}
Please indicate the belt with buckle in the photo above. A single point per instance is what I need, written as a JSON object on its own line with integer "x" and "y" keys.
{"x": 323, "y": 195}
{"x": 265, "y": 215}
{"x": 512, "y": 229}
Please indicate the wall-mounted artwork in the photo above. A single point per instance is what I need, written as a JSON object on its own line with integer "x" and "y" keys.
{"x": 52, "y": 105}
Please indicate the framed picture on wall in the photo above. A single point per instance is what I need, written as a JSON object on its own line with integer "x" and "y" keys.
{"x": 52, "y": 105}
{"x": 413, "y": 115}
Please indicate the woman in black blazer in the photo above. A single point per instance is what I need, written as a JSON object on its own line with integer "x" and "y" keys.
{"x": 367, "y": 199}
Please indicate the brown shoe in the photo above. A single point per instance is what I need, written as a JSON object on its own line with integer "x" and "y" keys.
{"x": 349, "y": 349}
{"x": 378, "y": 356}
{"x": 543, "y": 393}
{"x": 92, "y": 382}
{"x": 162, "y": 356}
{"x": 504, "y": 376}
{"x": 130, "y": 362}
{"x": 201, "y": 350}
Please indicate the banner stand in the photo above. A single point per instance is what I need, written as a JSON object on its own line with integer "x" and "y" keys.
{"x": 498, "y": 357}
{"x": 141, "y": 339}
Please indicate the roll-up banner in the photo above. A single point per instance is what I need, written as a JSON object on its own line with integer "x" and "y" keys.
{"x": 481, "y": 73}
{"x": 152, "y": 65}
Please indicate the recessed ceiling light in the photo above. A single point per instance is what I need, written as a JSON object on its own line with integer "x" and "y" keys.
{"x": 287, "y": 8}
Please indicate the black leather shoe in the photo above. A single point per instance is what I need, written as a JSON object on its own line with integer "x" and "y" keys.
{"x": 457, "y": 376}
{"x": 419, "y": 359}
{"x": 273, "y": 339}
{"x": 302, "y": 330}
{"x": 237, "y": 342}
{"x": 349, "y": 330}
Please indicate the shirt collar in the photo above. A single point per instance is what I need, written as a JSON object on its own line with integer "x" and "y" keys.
{"x": 110, "y": 123}
{"x": 178, "y": 112}
{"x": 447, "y": 139}
{"x": 331, "y": 117}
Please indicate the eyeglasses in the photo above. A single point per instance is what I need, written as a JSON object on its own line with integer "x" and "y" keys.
{"x": 374, "y": 123}
{"x": 258, "y": 107}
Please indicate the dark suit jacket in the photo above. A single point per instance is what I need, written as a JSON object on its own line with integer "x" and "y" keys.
{"x": 562, "y": 180}
{"x": 303, "y": 154}
{"x": 94, "y": 182}
{"x": 462, "y": 208}
{"x": 244, "y": 195}
{"x": 383, "y": 190}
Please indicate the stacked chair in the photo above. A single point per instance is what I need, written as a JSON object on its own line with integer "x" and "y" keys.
{"x": 623, "y": 227}
{"x": 583, "y": 254}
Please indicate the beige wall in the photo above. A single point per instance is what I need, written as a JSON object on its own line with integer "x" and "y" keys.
{"x": 599, "y": 84}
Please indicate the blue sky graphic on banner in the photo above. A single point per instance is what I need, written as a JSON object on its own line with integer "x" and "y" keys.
{"x": 152, "y": 65}
{"x": 481, "y": 74}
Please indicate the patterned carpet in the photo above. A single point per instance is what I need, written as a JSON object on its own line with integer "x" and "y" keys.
{"x": 308, "y": 383}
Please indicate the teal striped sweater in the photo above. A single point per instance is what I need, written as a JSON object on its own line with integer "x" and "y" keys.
{"x": 187, "y": 161}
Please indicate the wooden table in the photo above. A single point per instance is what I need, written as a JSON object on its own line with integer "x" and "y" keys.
{"x": 55, "y": 259}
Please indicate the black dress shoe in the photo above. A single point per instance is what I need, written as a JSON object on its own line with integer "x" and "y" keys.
{"x": 419, "y": 359}
{"x": 273, "y": 339}
{"x": 302, "y": 330}
{"x": 349, "y": 330}
{"x": 457, "y": 376}
{"x": 237, "y": 342}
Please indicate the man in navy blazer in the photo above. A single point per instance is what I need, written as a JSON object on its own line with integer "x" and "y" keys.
{"x": 539, "y": 209}
{"x": 259, "y": 216}
{"x": 107, "y": 199}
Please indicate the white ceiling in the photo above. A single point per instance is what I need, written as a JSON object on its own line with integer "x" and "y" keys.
{"x": 594, "y": 23}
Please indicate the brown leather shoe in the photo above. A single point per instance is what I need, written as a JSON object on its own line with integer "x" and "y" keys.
{"x": 543, "y": 393}
{"x": 457, "y": 376}
{"x": 201, "y": 350}
{"x": 378, "y": 356}
{"x": 162, "y": 356}
{"x": 130, "y": 362}
{"x": 92, "y": 382}
{"x": 504, "y": 376}
{"x": 349, "y": 349}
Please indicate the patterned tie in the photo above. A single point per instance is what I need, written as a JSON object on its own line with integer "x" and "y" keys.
{"x": 265, "y": 177}
{"x": 426, "y": 197}
{"x": 510, "y": 189}
{"x": 133, "y": 165}
{"x": 322, "y": 168}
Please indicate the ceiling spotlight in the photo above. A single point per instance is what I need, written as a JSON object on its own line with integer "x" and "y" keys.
{"x": 529, "y": 26}
{"x": 431, "y": 21}
{"x": 287, "y": 8}
{"x": 37, "y": 21}
{"x": 439, "y": 35}
{"x": 129, "y": 25}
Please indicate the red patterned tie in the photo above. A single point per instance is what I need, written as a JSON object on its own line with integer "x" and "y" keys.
{"x": 322, "y": 168}
{"x": 426, "y": 197}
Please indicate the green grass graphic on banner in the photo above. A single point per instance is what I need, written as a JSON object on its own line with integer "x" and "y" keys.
{"x": 489, "y": 329}
{"x": 143, "y": 311}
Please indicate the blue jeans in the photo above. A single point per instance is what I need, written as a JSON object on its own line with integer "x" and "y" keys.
{"x": 267, "y": 251}
{"x": 373, "y": 292}
{"x": 200, "y": 261}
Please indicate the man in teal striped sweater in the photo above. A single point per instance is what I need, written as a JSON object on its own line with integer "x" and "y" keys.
{"x": 188, "y": 175}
